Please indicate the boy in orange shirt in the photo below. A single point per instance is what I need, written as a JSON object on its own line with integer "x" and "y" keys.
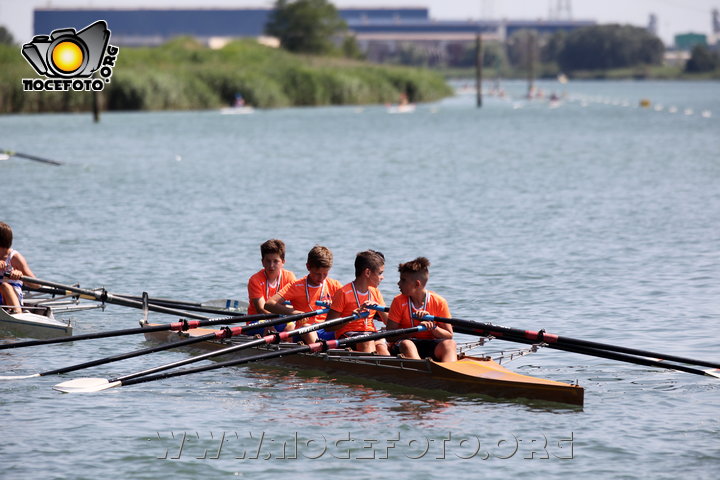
{"x": 271, "y": 279}
{"x": 355, "y": 296}
{"x": 14, "y": 264}
{"x": 415, "y": 301}
{"x": 302, "y": 294}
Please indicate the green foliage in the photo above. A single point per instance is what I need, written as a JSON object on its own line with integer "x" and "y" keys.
{"x": 350, "y": 48}
{"x": 609, "y": 46}
{"x": 183, "y": 74}
{"x": 305, "y": 26}
{"x": 522, "y": 48}
{"x": 6, "y": 37}
{"x": 552, "y": 46}
{"x": 702, "y": 60}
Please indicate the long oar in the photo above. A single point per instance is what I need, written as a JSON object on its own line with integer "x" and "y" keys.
{"x": 177, "y": 326}
{"x": 31, "y": 157}
{"x": 586, "y": 347}
{"x": 597, "y": 352}
{"x": 578, "y": 346}
{"x": 217, "y": 335}
{"x": 208, "y": 306}
{"x": 94, "y": 384}
{"x": 106, "y": 297}
{"x": 324, "y": 345}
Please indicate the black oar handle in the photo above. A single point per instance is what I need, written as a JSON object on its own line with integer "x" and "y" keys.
{"x": 313, "y": 347}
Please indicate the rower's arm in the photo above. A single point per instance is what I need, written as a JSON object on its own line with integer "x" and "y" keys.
{"x": 442, "y": 331}
{"x": 332, "y": 315}
{"x": 276, "y": 304}
{"x": 18, "y": 262}
{"x": 392, "y": 325}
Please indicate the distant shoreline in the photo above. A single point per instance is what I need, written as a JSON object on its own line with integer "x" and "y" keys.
{"x": 184, "y": 75}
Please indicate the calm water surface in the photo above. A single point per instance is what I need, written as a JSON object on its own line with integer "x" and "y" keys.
{"x": 595, "y": 219}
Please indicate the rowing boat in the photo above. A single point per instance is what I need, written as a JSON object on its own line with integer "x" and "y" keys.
{"x": 39, "y": 323}
{"x": 469, "y": 375}
{"x": 401, "y": 108}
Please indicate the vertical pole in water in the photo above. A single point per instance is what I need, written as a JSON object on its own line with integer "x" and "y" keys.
{"x": 478, "y": 68}
{"x": 96, "y": 106}
{"x": 530, "y": 54}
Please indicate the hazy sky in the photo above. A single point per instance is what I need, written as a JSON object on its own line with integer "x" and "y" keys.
{"x": 674, "y": 16}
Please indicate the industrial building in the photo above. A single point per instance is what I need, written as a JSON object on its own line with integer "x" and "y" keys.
{"x": 378, "y": 31}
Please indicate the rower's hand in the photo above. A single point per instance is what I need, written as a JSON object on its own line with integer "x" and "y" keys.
{"x": 367, "y": 305}
{"x": 15, "y": 274}
{"x": 429, "y": 325}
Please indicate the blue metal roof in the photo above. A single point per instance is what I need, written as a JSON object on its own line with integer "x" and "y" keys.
{"x": 166, "y": 23}
{"x": 249, "y": 22}
{"x": 444, "y": 26}
{"x": 245, "y": 22}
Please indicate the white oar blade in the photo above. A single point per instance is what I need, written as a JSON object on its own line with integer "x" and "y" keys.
{"x": 18, "y": 377}
{"x": 227, "y": 304}
{"x": 713, "y": 372}
{"x": 85, "y": 385}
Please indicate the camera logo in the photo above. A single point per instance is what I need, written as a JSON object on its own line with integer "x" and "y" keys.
{"x": 69, "y": 59}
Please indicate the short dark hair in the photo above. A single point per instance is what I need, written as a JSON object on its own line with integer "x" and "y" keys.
{"x": 273, "y": 246}
{"x": 6, "y": 236}
{"x": 418, "y": 268}
{"x": 319, "y": 257}
{"x": 368, "y": 259}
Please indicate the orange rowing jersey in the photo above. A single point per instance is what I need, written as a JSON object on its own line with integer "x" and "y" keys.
{"x": 348, "y": 299}
{"x": 259, "y": 287}
{"x": 402, "y": 308}
{"x": 303, "y": 295}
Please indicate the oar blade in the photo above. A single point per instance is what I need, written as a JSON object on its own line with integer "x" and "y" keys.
{"x": 85, "y": 385}
{"x": 227, "y": 304}
{"x": 18, "y": 377}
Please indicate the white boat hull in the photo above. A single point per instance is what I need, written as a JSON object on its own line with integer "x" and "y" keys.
{"x": 237, "y": 110}
{"x": 408, "y": 108}
{"x": 33, "y": 325}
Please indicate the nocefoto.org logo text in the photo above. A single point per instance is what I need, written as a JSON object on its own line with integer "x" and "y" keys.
{"x": 69, "y": 58}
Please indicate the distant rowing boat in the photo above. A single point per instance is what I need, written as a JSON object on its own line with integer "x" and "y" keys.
{"x": 469, "y": 375}
{"x": 38, "y": 317}
{"x": 40, "y": 323}
{"x": 402, "y": 108}
{"x": 237, "y": 110}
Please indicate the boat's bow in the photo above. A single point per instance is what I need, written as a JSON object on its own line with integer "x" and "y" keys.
{"x": 498, "y": 381}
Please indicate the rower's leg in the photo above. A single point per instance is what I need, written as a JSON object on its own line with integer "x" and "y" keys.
{"x": 365, "y": 347}
{"x": 446, "y": 351}
{"x": 10, "y": 298}
{"x": 409, "y": 349}
{"x": 310, "y": 337}
{"x": 381, "y": 348}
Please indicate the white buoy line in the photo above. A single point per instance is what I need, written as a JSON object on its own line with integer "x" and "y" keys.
{"x": 587, "y": 100}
